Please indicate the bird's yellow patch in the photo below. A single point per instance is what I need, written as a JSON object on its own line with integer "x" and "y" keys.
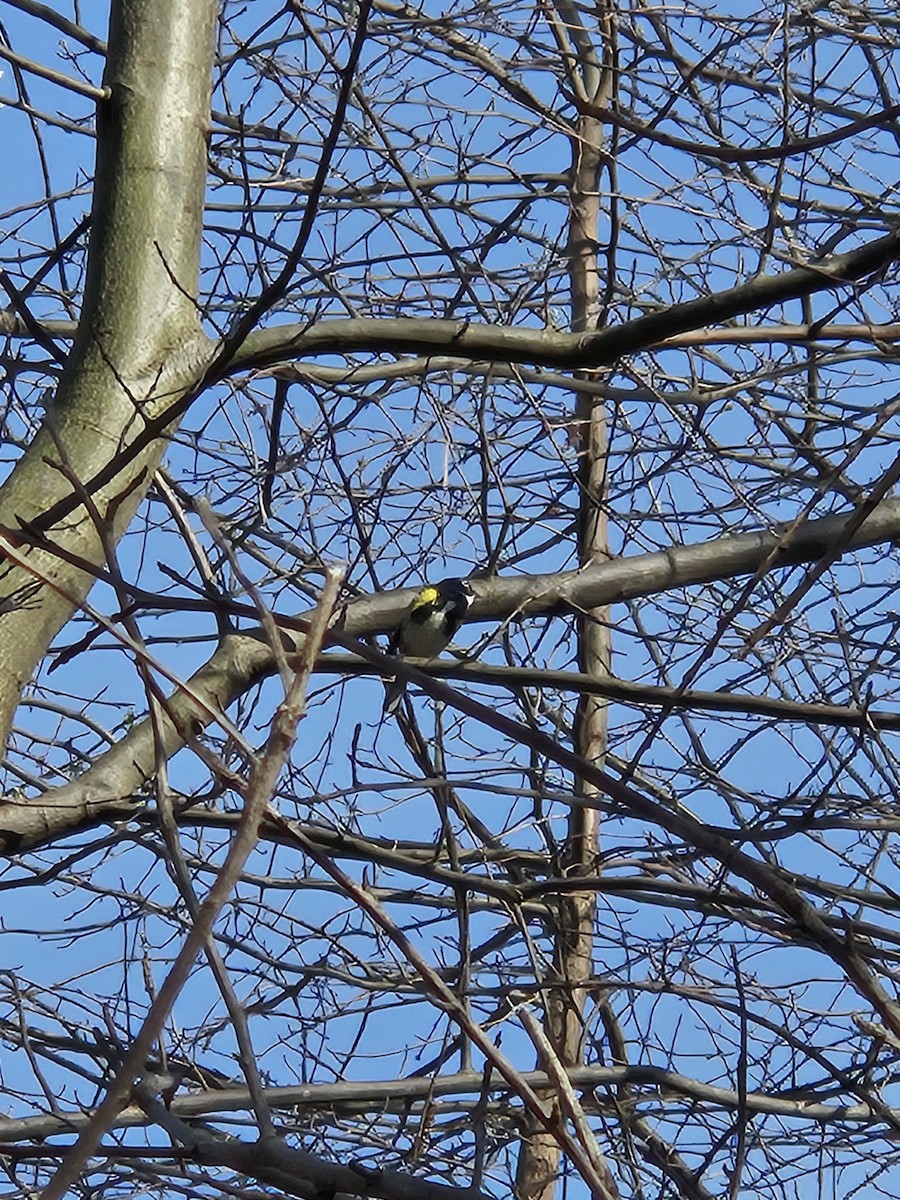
{"x": 427, "y": 595}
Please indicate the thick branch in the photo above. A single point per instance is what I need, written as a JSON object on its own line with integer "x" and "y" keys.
{"x": 242, "y": 659}
{"x": 573, "y": 350}
{"x": 667, "y": 1090}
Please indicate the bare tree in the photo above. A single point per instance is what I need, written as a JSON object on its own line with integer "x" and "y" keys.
{"x": 305, "y": 305}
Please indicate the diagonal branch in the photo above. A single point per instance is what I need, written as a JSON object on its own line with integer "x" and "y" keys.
{"x": 241, "y": 660}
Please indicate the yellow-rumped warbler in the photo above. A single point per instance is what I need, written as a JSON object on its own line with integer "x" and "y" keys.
{"x": 427, "y": 627}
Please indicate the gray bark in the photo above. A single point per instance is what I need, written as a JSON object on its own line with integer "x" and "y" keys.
{"x": 138, "y": 342}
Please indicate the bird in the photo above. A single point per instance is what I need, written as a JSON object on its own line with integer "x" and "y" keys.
{"x": 428, "y": 626}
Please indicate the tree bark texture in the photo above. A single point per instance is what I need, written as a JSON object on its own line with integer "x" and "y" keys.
{"x": 138, "y": 345}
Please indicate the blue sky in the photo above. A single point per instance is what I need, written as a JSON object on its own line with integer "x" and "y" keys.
{"x": 411, "y": 454}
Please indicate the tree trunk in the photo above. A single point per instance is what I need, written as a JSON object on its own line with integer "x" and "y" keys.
{"x": 139, "y": 344}
{"x": 539, "y": 1159}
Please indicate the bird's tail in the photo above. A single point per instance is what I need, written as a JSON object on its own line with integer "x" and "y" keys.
{"x": 393, "y": 695}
